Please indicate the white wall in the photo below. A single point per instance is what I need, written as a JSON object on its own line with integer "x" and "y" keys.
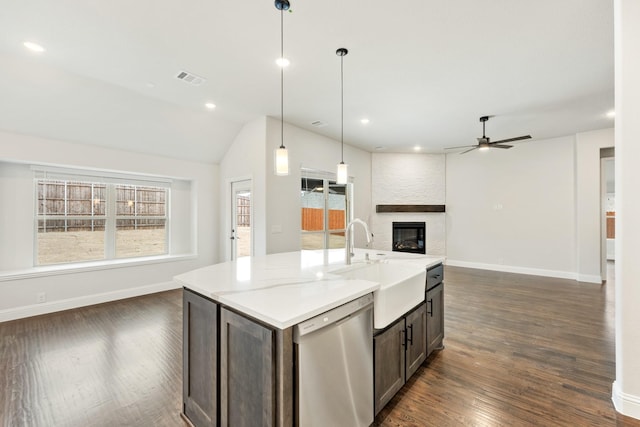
{"x": 410, "y": 179}
{"x": 589, "y": 204}
{"x": 245, "y": 159}
{"x": 16, "y": 228}
{"x": 276, "y": 199}
{"x": 70, "y": 289}
{"x": 626, "y": 388}
{"x": 312, "y": 151}
{"x": 514, "y": 210}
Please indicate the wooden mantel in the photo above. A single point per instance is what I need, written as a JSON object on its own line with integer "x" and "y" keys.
{"x": 409, "y": 208}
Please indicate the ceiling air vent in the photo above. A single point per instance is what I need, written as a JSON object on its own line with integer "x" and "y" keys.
{"x": 190, "y": 78}
{"x": 318, "y": 124}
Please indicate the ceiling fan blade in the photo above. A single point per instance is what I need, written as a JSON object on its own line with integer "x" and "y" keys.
{"x": 470, "y": 149}
{"x": 500, "y": 146}
{"x": 455, "y": 148}
{"x": 517, "y": 138}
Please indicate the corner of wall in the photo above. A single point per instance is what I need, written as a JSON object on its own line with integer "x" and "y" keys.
{"x": 625, "y": 403}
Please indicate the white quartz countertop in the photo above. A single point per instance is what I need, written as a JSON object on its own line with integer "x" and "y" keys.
{"x": 287, "y": 288}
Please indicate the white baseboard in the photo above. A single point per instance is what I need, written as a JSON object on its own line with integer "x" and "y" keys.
{"x": 66, "y": 304}
{"x": 626, "y": 404}
{"x": 515, "y": 269}
{"x": 589, "y": 278}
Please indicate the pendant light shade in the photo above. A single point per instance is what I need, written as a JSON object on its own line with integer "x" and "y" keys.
{"x": 281, "y": 160}
{"x": 342, "y": 173}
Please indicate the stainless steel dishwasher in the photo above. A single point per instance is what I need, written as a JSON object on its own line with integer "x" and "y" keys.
{"x": 335, "y": 366}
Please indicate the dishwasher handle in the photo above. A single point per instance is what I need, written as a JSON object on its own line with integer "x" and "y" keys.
{"x": 333, "y": 317}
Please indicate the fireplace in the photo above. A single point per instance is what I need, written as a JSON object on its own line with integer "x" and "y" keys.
{"x": 409, "y": 237}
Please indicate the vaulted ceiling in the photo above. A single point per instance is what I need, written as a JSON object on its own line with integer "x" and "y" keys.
{"x": 421, "y": 71}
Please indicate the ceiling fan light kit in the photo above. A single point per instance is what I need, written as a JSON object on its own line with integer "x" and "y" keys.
{"x": 484, "y": 143}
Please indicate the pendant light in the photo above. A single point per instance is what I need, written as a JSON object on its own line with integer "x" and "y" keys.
{"x": 342, "y": 175}
{"x": 281, "y": 153}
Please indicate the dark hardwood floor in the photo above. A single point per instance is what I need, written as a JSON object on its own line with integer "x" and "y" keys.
{"x": 520, "y": 350}
{"x": 115, "y": 364}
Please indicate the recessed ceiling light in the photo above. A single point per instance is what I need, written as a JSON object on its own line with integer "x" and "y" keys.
{"x": 34, "y": 47}
{"x": 417, "y": 148}
{"x": 210, "y": 105}
{"x": 282, "y": 62}
{"x": 611, "y": 114}
{"x": 364, "y": 121}
{"x": 380, "y": 147}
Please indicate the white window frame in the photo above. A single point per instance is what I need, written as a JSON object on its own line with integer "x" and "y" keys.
{"x": 111, "y": 180}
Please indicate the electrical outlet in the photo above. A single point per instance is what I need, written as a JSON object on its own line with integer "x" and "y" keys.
{"x": 42, "y": 297}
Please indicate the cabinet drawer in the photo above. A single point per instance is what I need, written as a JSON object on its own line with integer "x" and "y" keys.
{"x": 435, "y": 275}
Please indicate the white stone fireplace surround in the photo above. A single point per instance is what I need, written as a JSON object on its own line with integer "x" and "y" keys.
{"x": 408, "y": 179}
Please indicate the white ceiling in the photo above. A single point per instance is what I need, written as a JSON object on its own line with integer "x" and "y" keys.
{"x": 422, "y": 71}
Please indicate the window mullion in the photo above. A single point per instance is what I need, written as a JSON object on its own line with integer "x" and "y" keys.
{"x": 327, "y": 237}
{"x": 110, "y": 223}
{"x": 66, "y": 206}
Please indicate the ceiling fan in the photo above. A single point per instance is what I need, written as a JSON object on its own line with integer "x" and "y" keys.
{"x": 485, "y": 143}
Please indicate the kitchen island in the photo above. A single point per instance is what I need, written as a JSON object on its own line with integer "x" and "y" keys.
{"x": 240, "y": 365}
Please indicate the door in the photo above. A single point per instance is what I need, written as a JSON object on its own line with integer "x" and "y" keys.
{"x": 241, "y": 234}
{"x": 247, "y": 372}
{"x": 435, "y": 318}
{"x": 416, "y": 339}
{"x": 199, "y": 359}
{"x": 388, "y": 364}
{"x": 325, "y": 211}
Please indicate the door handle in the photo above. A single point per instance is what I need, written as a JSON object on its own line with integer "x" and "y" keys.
{"x": 403, "y": 340}
{"x": 410, "y": 340}
{"x": 430, "y": 309}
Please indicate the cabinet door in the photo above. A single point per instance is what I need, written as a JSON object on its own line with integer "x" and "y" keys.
{"x": 247, "y": 372}
{"x": 388, "y": 362}
{"x": 416, "y": 322}
{"x": 199, "y": 343}
{"x": 435, "y": 318}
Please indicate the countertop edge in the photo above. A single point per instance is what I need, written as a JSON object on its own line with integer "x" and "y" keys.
{"x": 360, "y": 288}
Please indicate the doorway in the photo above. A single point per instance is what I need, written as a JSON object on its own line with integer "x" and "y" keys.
{"x": 325, "y": 211}
{"x": 608, "y": 206}
{"x": 241, "y": 235}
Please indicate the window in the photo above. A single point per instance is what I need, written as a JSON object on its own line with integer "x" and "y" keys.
{"x": 325, "y": 209}
{"x": 83, "y": 218}
{"x": 141, "y": 219}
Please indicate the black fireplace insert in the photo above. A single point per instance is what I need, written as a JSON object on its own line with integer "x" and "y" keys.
{"x": 409, "y": 237}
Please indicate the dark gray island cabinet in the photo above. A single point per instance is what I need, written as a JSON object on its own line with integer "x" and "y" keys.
{"x": 402, "y": 347}
{"x": 398, "y": 352}
{"x": 435, "y": 308}
{"x": 239, "y": 370}
{"x": 236, "y": 370}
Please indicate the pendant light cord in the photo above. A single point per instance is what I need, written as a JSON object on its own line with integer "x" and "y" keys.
{"x": 341, "y": 110}
{"x": 282, "y": 79}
